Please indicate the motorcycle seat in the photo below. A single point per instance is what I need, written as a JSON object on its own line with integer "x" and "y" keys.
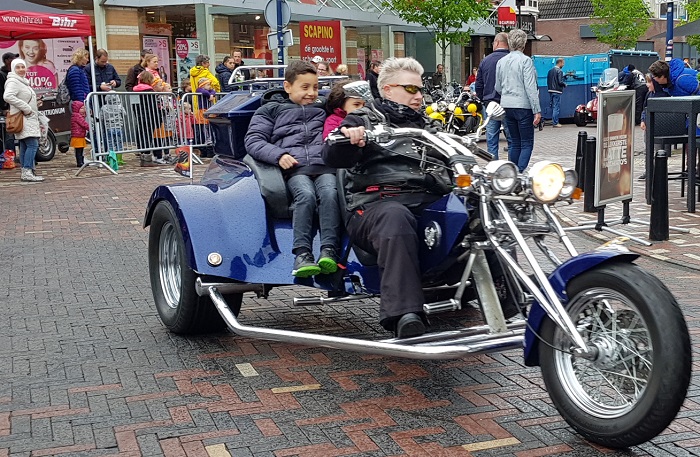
{"x": 272, "y": 187}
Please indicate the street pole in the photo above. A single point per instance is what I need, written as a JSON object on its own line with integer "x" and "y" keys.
{"x": 518, "y": 24}
{"x": 669, "y": 32}
{"x": 280, "y": 37}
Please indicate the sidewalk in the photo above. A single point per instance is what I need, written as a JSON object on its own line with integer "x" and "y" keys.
{"x": 681, "y": 249}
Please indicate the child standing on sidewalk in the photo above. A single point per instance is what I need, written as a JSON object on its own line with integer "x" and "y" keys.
{"x": 78, "y": 128}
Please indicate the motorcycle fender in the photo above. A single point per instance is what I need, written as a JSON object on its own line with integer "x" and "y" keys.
{"x": 225, "y": 215}
{"x": 559, "y": 279}
{"x": 581, "y": 109}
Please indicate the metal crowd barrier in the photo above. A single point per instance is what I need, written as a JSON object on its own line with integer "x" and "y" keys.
{"x": 141, "y": 122}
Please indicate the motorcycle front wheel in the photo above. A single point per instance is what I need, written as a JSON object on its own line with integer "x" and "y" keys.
{"x": 637, "y": 380}
{"x": 580, "y": 119}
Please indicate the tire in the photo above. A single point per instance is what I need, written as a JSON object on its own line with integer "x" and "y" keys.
{"x": 47, "y": 149}
{"x": 624, "y": 397}
{"x": 580, "y": 119}
{"x": 173, "y": 282}
{"x": 471, "y": 124}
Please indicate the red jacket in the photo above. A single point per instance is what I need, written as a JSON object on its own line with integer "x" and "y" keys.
{"x": 78, "y": 125}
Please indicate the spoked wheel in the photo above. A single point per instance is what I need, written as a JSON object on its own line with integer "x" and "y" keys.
{"x": 173, "y": 281}
{"x": 636, "y": 381}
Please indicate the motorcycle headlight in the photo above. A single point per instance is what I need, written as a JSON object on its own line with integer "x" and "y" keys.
{"x": 430, "y": 109}
{"x": 451, "y": 106}
{"x": 546, "y": 181}
{"x": 570, "y": 181}
{"x": 503, "y": 176}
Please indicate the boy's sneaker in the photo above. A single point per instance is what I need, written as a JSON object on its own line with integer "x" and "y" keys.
{"x": 305, "y": 266}
{"x": 328, "y": 260}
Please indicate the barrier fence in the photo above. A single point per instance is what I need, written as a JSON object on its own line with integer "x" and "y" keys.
{"x": 149, "y": 123}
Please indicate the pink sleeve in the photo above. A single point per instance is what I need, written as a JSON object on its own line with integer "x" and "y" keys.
{"x": 83, "y": 123}
{"x": 332, "y": 122}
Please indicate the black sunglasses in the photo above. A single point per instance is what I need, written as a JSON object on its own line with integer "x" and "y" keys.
{"x": 410, "y": 88}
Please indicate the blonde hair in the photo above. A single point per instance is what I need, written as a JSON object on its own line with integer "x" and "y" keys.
{"x": 342, "y": 69}
{"x": 393, "y": 67}
{"x": 79, "y": 55}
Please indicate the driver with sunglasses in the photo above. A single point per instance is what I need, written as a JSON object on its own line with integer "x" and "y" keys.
{"x": 385, "y": 190}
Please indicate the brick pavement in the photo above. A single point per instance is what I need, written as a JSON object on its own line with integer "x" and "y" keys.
{"x": 86, "y": 368}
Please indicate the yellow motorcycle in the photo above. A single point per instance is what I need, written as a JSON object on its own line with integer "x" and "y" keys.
{"x": 461, "y": 117}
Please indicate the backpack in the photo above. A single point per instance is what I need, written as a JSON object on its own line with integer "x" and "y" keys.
{"x": 63, "y": 94}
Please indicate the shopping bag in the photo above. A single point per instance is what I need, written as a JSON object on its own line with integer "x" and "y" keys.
{"x": 9, "y": 159}
{"x": 113, "y": 161}
{"x": 182, "y": 166}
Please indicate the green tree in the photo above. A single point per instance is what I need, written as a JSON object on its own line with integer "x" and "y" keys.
{"x": 620, "y": 23}
{"x": 443, "y": 18}
{"x": 693, "y": 9}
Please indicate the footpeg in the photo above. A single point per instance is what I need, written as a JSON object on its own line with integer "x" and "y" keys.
{"x": 441, "y": 306}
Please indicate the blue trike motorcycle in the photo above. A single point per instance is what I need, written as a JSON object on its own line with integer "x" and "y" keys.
{"x": 611, "y": 341}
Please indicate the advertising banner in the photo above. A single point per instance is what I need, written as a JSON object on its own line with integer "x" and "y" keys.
{"x": 361, "y": 63}
{"x": 320, "y": 38}
{"x": 159, "y": 46}
{"x": 614, "y": 148}
{"x": 47, "y": 64}
{"x": 186, "y": 51}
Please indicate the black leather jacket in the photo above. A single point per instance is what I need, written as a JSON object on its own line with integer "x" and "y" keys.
{"x": 380, "y": 172}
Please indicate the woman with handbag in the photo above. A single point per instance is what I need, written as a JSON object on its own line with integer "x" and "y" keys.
{"x": 23, "y": 118}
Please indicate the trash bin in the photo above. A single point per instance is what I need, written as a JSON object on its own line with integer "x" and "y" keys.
{"x": 229, "y": 119}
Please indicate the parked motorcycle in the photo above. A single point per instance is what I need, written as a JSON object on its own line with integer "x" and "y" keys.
{"x": 609, "y": 337}
{"x": 588, "y": 113}
{"x": 460, "y": 117}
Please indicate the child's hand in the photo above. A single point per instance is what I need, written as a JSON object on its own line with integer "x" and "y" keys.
{"x": 287, "y": 161}
{"x": 212, "y": 98}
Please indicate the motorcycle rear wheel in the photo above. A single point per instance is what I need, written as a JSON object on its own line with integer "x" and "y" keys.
{"x": 172, "y": 280}
{"x": 638, "y": 381}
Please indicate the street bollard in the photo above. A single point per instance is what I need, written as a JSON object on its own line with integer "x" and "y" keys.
{"x": 579, "y": 165}
{"x": 658, "y": 221}
{"x": 589, "y": 172}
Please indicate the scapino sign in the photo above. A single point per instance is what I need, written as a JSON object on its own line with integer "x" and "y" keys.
{"x": 527, "y": 21}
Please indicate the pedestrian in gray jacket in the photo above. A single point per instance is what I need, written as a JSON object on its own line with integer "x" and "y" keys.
{"x": 516, "y": 81}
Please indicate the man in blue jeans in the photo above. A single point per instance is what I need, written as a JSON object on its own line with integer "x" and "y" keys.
{"x": 555, "y": 87}
{"x": 486, "y": 91}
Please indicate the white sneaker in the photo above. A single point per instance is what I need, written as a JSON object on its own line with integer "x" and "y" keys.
{"x": 28, "y": 175}
{"x": 160, "y": 161}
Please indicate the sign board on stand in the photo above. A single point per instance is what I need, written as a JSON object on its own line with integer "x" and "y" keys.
{"x": 186, "y": 52}
{"x": 614, "y": 148}
{"x": 159, "y": 46}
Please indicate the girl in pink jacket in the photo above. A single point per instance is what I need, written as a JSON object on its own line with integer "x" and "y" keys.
{"x": 339, "y": 105}
{"x": 78, "y": 128}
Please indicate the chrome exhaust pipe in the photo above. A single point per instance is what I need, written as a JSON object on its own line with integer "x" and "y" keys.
{"x": 446, "y": 351}
{"x": 202, "y": 288}
{"x": 319, "y": 300}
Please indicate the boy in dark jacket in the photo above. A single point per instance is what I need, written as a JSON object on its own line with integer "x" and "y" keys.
{"x": 287, "y": 131}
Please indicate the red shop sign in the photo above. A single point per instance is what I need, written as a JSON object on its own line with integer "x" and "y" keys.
{"x": 320, "y": 38}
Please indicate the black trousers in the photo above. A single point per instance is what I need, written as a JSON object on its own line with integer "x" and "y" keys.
{"x": 388, "y": 229}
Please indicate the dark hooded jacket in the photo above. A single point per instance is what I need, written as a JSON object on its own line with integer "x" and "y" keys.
{"x": 224, "y": 75}
{"x": 385, "y": 172}
{"x": 281, "y": 126}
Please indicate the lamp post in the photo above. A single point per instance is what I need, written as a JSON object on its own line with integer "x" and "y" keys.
{"x": 669, "y": 31}
{"x": 519, "y": 4}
